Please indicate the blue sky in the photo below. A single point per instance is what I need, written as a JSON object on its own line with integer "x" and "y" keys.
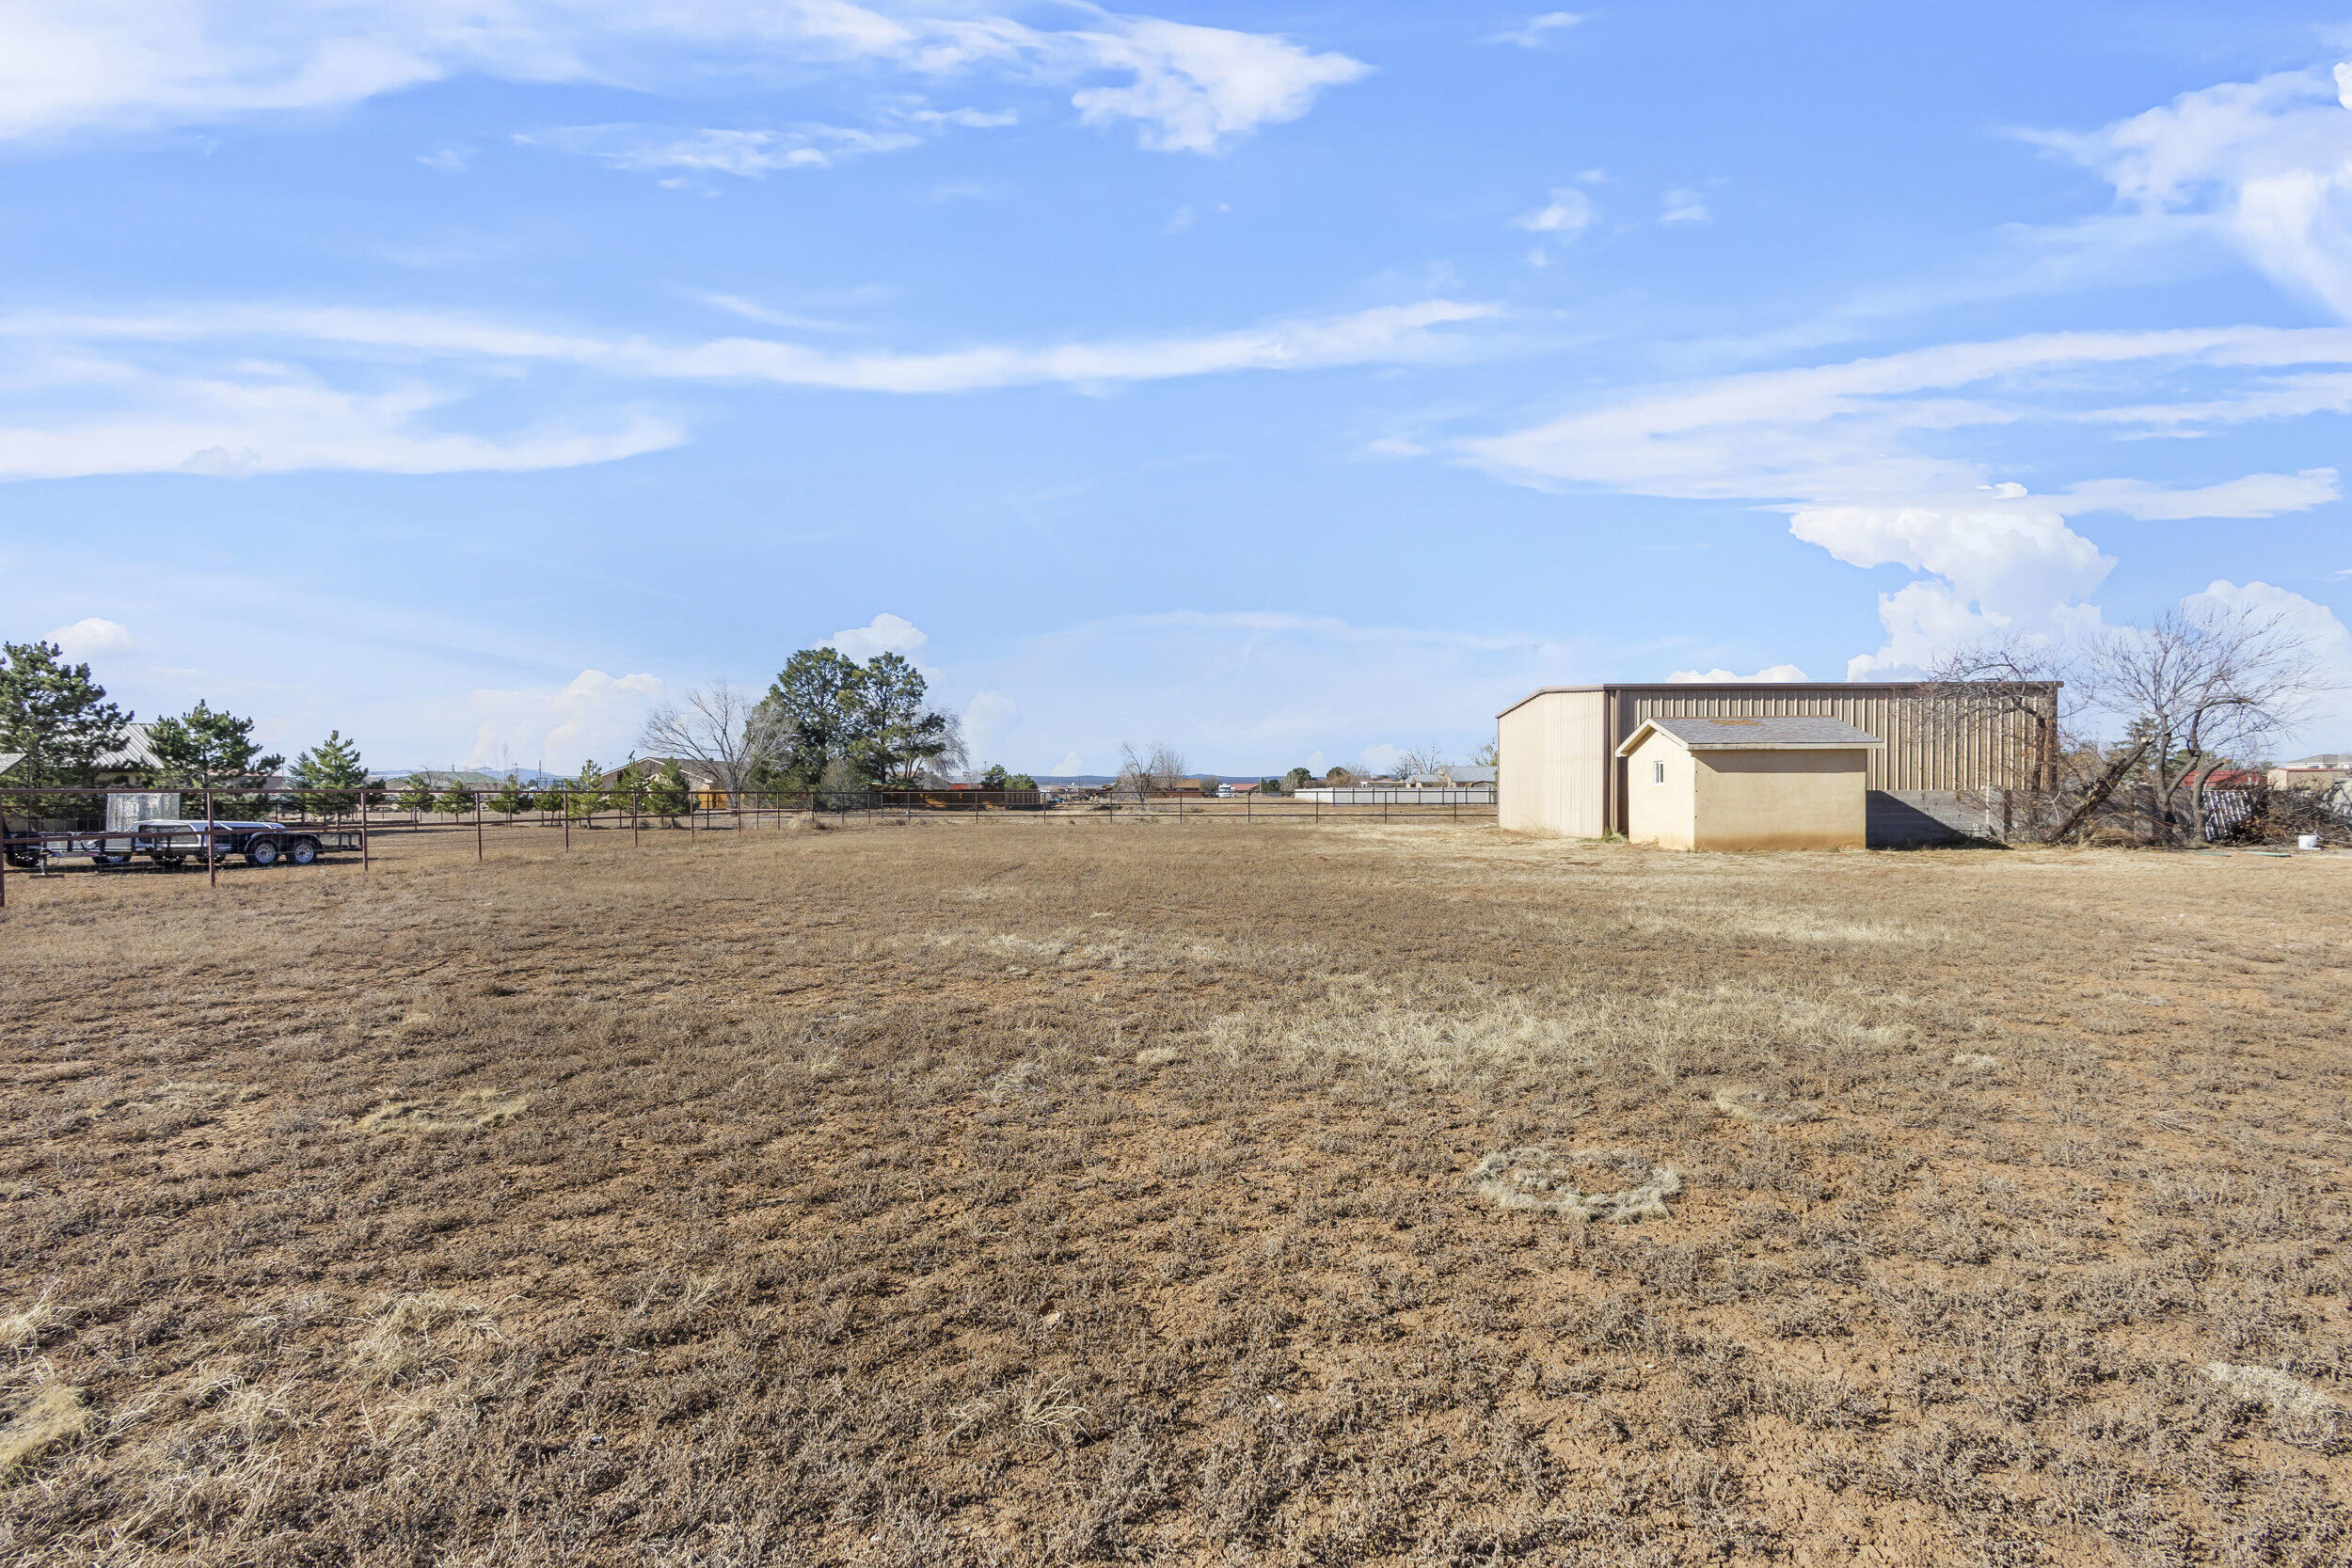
{"x": 1286, "y": 383}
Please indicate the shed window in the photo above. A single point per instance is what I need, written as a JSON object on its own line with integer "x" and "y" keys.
{"x": 1658, "y": 773}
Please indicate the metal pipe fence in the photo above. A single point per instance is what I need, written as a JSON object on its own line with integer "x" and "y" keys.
{"x": 38, "y": 840}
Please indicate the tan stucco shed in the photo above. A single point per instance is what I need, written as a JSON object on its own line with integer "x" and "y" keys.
{"x": 1747, "y": 783}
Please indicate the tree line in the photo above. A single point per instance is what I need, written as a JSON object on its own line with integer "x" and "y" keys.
{"x": 828, "y": 722}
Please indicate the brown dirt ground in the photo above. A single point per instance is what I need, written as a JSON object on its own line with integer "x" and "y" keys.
{"x": 1040, "y": 1192}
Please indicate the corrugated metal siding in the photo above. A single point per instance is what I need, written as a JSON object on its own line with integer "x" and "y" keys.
{"x": 1551, "y": 773}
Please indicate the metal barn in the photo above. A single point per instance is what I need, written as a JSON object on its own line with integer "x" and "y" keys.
{"x": 1950, "y": 750}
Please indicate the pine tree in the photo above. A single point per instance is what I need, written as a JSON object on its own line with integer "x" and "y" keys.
{"x": 512, "y": 799}
{"x": 671, "y": 795}
{"x": 331, "y": 775}
{"x": 55, "y": 715}
{"x": 457, "y": 800}
{"x": 416, "y": 793}
{"x": 211, "y": 748}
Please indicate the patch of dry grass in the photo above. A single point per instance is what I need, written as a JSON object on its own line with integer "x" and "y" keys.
{"x": 1023, "y": 1193}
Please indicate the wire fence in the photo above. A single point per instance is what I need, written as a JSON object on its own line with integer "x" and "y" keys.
{"x": 47, "y": 830}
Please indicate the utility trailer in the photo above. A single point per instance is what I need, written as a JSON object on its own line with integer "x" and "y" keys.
{"x": 175, "y": 841}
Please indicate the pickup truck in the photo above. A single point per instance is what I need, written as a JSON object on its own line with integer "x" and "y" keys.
{"x": 171, "y": 841}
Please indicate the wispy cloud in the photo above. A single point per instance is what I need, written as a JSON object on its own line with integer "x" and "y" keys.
{"x": 100, "y": 67}
{"x": 1538, "y": 32}
{"x": 1683, "y": 206}
{"x": 248, "y": 390}
{"x": 1568, "y": 214}
{"x": 1858, "y": 455}
{"x": 2263, "y": 165}
{"x": 746, "y": 154}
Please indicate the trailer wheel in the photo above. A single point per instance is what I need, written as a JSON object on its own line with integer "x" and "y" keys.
{"x": 302, "y": 851}
{"x": 171, "y": 860}
{"x": 24, "y": 859}
{"x": 262, "y": 852}
{"x": 105, "y": 858}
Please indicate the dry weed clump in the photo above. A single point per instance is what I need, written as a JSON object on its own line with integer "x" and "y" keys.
{"x": 1038, "y": 1192}
{"x": 1750, "y": 1104}
{"x": 2300, "y": 1414}
{"x": 53, "y": 1416}
{"x": 1538, "y": 1179}
{"x": 470, "y": 1110}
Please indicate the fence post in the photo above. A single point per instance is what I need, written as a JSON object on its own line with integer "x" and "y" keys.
{"x": 477, "y": 827}
{"x": 564, "y": 803}
{"x": 635, "y": 797}
{"x": 211, "y": 861}
{"x": 363, "y": 825}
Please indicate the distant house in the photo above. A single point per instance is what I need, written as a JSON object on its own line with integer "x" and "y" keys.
{"x": 128, "y": 765}
{"x": 2324, "y": 771}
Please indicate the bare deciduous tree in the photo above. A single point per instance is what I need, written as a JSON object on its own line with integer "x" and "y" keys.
{"x": 1420, "y": 759}
{"x": 1146, "y": 774}
{"x": 722, "y": 729}
{"x": 2200, "y": 684}
{"x": 2013, "y": 700}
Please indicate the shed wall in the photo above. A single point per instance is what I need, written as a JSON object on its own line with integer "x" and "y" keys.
{"x": 1778, "y": 799}
{"x": 1552, "y": 772}
{"x": 1661, "y": 812}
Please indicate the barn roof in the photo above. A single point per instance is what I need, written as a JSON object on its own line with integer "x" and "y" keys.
{"x": 1754, "y": 735}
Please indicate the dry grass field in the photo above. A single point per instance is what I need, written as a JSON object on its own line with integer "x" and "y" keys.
{"x": 1037, "y": 1192}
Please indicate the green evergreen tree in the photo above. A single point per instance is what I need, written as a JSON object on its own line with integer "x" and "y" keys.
{"x": 457, "y": 800}
{"x": 996, "y": 778}
{"x": 512, "y": 799}
{"x": 670, "y": 795}
{"x": 1021, "y": 781}
{"x": 59, "y": 717}
{"x": 331, "y": 776}
{"x": 416, "y": 793}
{"x": 587, "y": 795}
{"x": 209, "y": 747}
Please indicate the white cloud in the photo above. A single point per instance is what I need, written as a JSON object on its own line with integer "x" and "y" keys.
{"x": 596, "y": 716}
{"x": 988, "y": 718}
{"x": 1860, "y": 456}
{"x": 1381, "y": 758}
{"x": 1071, "y": 764}
{"x": 449, "y": 160}
{"x": 128, "y": 64}
{"x": 2264, "y": 165}
{"x": 2328, "y": 725}
{"x": 1682, "y": 206}
{"x": 1568, "y": 214}
{"x": 1537, "y": 31}
{"x": 885, "y": 634}
{"x": 1719, "y": 677}
{"x": 294, "y": 387}
{"x": 746, "y": 154}
{"x": 1200, "y": 89}
{"x": 90, "y": 635}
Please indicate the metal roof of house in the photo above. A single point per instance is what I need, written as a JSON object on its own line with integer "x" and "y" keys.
{"x": 1754, "y": 735}
{"x": 9, "y": 759}
{"x": 136, "y": 751}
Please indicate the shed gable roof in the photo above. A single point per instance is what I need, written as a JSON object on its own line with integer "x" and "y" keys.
{"x": 1753, "y": 735}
